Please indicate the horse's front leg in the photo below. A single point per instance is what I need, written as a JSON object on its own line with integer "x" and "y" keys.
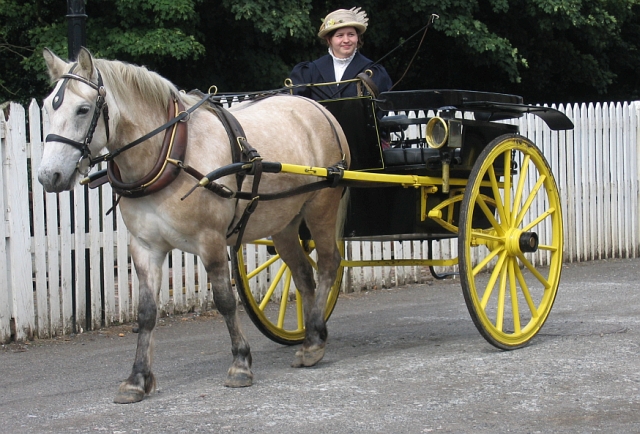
{"x": 142, "y": 382}
{"x": 239, "y": 374}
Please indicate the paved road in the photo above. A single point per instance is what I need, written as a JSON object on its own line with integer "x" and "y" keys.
{"x": 407, "y": 360}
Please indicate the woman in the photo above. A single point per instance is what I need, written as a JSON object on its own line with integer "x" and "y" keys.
{"x": 342, "y": 32}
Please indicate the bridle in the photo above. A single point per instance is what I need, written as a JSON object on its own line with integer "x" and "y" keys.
{"x": 101, "y": 108}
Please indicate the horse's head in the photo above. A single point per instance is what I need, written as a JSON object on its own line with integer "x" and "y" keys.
{"x": 79, "y": 125}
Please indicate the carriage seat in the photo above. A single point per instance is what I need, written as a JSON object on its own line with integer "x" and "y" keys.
{"x": 406, "y": 153}
{"x": 398, "y": 123}
{"x": 394, "y": 124}
{"x": 410, "y": 156}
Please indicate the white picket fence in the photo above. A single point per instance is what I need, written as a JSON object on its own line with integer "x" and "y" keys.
{"x": 66, "y": 269}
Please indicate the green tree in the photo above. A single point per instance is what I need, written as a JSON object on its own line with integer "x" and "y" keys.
{"x": 150, "y": 32}
{"x": 545, "y": 50}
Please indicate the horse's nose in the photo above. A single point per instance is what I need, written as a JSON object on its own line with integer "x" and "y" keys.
{"x": 49, "y": 179}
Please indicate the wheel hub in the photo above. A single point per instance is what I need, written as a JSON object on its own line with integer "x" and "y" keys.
{"x": 518, "y": 242}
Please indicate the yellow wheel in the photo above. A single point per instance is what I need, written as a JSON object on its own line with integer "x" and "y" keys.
{"x": 510, "y": 242}
{"x": 268, "y": 292}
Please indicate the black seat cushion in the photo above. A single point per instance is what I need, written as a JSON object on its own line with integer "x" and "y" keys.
{"x": 409, "y": 156}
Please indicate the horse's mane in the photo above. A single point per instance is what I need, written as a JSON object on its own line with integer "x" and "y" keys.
{"x": 137, "y": 83}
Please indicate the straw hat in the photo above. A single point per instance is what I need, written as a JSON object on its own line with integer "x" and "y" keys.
{"x": 353, "y": 17}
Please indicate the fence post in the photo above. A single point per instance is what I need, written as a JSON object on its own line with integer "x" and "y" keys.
{"x": 19, "y": 265}
{"x": 5, "y": 289}
{"x": 635, "y": 115}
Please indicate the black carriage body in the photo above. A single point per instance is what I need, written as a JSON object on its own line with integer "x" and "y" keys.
{"x": 394, "y": 212}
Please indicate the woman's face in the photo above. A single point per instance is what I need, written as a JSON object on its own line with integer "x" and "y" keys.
{"x": 344, "y": 42}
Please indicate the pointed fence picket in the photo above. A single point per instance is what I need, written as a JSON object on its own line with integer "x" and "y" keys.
{"x": 65, "y": 265}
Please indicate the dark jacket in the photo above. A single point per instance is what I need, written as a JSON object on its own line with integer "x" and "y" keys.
{"x": 321, "y": 71}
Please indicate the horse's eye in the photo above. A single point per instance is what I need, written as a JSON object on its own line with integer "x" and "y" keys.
{"x": 83, "y": 110}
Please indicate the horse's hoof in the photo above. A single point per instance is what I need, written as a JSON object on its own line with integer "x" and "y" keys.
{"x": 135, "y": 388}
{"x": 128, "y": 394}
{"x": 239, "y": 379}
{"x": 308, "y": 357}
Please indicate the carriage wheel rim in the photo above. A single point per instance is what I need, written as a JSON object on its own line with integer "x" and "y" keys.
{"x": 274, "y": 328}
{"x": 507, "y": 279}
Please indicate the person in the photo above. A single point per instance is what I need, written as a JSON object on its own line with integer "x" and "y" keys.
{"x": 342, "y": 32}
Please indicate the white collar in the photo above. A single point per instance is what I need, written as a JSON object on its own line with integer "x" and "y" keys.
{"x": 342, "y": 61}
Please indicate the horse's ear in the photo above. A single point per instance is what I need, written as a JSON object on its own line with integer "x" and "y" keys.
{"x": 85, "y": 62}
{"x": 55, "y": 65}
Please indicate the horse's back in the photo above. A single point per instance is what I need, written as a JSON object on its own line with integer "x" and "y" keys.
{"x": 292, "y": 129}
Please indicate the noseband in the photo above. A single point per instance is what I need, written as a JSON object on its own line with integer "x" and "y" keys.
{"x": 85, "y": 162}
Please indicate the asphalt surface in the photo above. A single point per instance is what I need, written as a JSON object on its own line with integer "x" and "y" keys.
{"x": 407, "y": 360}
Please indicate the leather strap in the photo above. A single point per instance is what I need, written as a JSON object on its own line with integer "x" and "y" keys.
{"x": 166, "y": 169}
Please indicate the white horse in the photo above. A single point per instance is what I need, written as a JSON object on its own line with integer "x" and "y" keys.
{"x": 282, "y": 128}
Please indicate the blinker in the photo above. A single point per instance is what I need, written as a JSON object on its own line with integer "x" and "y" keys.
{"x": 57, "y": 100}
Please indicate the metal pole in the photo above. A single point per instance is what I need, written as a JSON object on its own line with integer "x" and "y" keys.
{"x": 77, "y": 30}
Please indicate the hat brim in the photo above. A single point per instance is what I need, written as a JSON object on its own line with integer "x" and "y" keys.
{"x": 358, "y": 26}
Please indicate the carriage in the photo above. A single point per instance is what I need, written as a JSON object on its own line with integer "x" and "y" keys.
{"x": 467, "y": 173}
{"x": 463, "y": 173}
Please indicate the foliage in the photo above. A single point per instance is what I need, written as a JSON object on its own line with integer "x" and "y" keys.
{"x": 545, "y": 50}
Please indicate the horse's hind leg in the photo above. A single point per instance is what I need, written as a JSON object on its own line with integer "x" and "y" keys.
{"x": 314, "y": 299}
{"x": 239, "y": 374}
{"x": 142, "y": 381}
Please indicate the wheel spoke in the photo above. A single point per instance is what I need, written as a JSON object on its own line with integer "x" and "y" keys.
{"x": 501, "y": 295}
{"x": 535, "y": 272}
{"x": 527, "y": 295}
{"x": 285, "y": 298}
{"x": 489, "y": 214}
{"x": 262, "y": 267}
{"x": 496, "y": 194}
{"x": 507, "y": 184}
{"x": 311, "y": 261}
{"x": 524, "y": 169}
{"x": 529, "y": 201}
{"x": 486, "y": 236}
{"x": 299, "y": 311}
{"x": 549, "y": 248}
{"x": 272, "y": 287}
{"x": 515, "y": 310}
{"x": 492, "y": 280}
{"x": 478, "y": 268}
{"x": 538, "y": 219}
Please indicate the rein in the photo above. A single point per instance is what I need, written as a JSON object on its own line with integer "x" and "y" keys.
{"x": 245, "y": 159}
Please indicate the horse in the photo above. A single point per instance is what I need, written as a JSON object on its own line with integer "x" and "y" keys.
{"x": 281, "y": 126}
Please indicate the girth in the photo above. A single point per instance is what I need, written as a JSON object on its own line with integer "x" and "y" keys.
{"x": 241, "y": 152}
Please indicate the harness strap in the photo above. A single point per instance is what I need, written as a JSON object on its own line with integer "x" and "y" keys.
{"x": 184, "y": 114}
{"x": 246, "y": 153}
{"x": 243, "y": 152}
{"x": 251, "y": 206}
{"x": 173, "y": 150}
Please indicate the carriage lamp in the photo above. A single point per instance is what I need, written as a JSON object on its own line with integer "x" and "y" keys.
{"x": 437, "y": 132}
{"x": 444, "y": 131}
